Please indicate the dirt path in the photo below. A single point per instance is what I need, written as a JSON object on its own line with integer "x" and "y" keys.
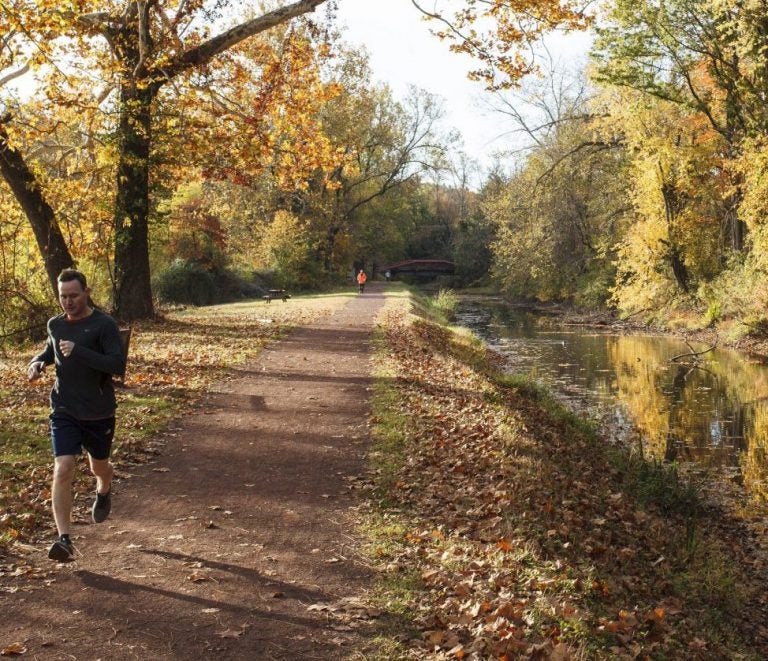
{"x": 236, "y": 543}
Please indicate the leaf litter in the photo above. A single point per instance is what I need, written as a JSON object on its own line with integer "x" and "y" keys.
{"x": 522, "y": 538}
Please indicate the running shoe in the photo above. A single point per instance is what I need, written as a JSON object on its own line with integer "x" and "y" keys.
{"x": 61, "y": 550}
{"x": 101, "y": 507}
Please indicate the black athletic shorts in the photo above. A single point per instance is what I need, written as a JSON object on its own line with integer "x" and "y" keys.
{"x": 69, "y": 436}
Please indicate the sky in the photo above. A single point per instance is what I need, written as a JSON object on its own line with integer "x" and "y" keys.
{"x": 403, "y": 51}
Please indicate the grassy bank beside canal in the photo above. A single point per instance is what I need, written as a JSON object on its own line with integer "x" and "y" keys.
{"x": 504, "y": 527}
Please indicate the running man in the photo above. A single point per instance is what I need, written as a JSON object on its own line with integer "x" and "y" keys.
{"x": 84, "y": 345}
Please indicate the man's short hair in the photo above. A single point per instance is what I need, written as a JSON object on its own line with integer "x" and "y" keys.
{"x": 67, "y": 275}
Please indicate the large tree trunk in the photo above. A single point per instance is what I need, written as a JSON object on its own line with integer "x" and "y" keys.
{"x": 672, "y": 207}
{"x": 26, "y": 189}
{"x": 133, "y": 291}
{"x": 678, "y": 268}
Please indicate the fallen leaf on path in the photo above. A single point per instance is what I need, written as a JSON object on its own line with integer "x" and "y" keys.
{"x": 434, "y": 638}
{"x": 25, "y": 548}
{"x": 505, "y": 545}
{"x": 211, "y": 610}
{"x": 343, "y": 627}
{"x": 230, "y": 633}
{"x": 14, "y": 649}
{"x": 197, "y": 577}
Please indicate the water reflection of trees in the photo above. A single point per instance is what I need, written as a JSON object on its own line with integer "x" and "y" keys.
{"x": 638, "y": 389}
{"x": 754, "y": 462}
{"x": 685, "y": 413}
{"x": 717, "y": 415}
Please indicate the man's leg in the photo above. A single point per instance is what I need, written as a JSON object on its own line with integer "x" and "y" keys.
{"x": 66, "y": 438}
{"x": 102, "y": 504}
{"x": 61, "y": 492}
{"x": 103, "y": 471}
{"x": 61, "y": 503}
{"x": 98, "y": 443}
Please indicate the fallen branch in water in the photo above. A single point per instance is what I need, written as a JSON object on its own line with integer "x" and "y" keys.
{"x": 693, "y": 353}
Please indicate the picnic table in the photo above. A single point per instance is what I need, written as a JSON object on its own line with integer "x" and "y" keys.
{"x": 276, "y": 293}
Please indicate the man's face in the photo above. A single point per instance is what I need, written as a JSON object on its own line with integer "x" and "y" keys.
{"x": 73, "y": 299}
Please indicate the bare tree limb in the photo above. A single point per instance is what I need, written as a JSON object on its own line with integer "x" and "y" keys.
{"x": 142, "y": 8}
{"x": 14, "y": 74}
{"x": 693, "y": 353}
{"x": 598, "y": 145}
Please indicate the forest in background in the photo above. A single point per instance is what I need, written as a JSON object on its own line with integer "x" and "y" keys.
{"x": 196, "y": 151}
{"x": 644, "y": 188}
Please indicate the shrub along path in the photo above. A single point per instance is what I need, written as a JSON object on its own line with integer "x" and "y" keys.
{"x": 235, "y": 542}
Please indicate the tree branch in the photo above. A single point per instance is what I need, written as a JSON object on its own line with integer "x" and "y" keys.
{"x": 205, "y": 52}
{"x": 599, "y": 146}
{"x": 693, "y": 352}
{"x": 14, "y": 74}
{"x": 145, "y": 37}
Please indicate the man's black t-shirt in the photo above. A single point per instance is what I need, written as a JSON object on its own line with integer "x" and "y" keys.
{"x": 83, "y": 387}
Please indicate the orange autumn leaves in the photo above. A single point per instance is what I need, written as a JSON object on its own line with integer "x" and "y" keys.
{"x": 499, "y": 34}
{"x": 274, "y": 121}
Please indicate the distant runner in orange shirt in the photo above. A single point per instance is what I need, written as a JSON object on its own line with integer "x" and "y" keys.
{"x": 361, "y": 278}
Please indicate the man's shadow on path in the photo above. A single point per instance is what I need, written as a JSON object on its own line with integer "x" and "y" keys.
{"x": 119, "y": 586}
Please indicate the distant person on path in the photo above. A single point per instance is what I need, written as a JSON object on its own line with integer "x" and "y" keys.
{"x": 388, "y": 275}
{"x": 361, "y": 278}
{"x": 84, "y": 344}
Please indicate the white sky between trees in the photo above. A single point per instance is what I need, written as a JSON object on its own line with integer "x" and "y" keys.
{"x": 403, "y": 51}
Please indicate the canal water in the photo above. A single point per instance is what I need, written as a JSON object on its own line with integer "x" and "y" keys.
{"x": 714, "y": 414}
